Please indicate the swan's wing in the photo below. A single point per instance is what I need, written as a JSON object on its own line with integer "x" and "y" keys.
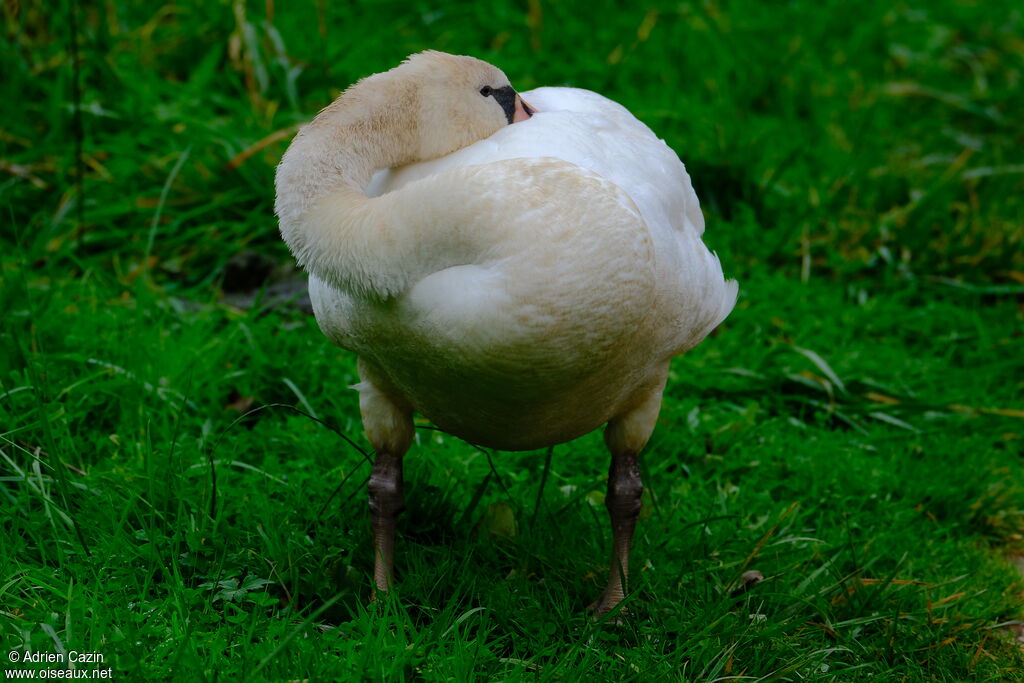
{"x": 696, "y": 295}
{"x": 601, "y": 136}
{"x": 517, "y": 242}
{"x": 593, "y": 132}
{"x": 461, "y": 215}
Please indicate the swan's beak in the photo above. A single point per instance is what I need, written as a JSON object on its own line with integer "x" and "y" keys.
{"x": 522, "y": 111}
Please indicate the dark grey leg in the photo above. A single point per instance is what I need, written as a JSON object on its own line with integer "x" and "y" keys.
{"x": 386, "y": 503}
{"x": 625, "y": 489}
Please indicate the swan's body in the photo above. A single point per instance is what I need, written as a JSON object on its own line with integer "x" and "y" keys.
{"x": 520, "y": 291}
{"x": 590, "y": 289}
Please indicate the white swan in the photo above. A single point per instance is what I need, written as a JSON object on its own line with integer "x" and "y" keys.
{"x": 520, "y": 285}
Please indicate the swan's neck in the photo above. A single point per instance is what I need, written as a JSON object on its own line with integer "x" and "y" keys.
{"x": 371, "y": 247}
{"x": 364, "y": 131}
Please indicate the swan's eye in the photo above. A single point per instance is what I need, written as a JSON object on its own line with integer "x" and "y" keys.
{"x": 486, "y": 91}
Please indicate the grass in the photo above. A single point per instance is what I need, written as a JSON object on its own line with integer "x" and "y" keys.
{"x": 178, "y": 492}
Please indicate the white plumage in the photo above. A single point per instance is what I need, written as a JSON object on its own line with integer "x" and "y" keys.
{"x": 542, "y": 339}
{"x": 520, "y": 291}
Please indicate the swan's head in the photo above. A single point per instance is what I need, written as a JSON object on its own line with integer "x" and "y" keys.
{"x": 430, "y": 105}
{"x": 456, "y": 100}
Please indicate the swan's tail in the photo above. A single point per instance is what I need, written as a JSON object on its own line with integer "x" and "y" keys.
{"x": 709, "y": 299}
{"x": 721, "y": 300}
{"x": 727, "y": 301}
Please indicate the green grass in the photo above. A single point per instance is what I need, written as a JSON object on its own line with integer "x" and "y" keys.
{"x": 853, "y": 431}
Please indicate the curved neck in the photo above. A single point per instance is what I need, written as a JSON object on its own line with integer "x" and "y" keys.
{"x": 360, "y": 133}
{"x": 325, "y": 217}
{"x": 368, "y": 247}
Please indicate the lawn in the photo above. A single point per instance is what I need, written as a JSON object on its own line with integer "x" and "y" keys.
{"x": 182, "y": 466}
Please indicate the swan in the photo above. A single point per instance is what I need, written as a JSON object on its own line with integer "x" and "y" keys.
{"x": 520, "y": 269}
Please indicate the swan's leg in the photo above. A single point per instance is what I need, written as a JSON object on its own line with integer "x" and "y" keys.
{"x": 388, "y": 425}
{"x": 623, "y": 502}
{"x": 625, "y": 436}
{"x": 386, "y": 503}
